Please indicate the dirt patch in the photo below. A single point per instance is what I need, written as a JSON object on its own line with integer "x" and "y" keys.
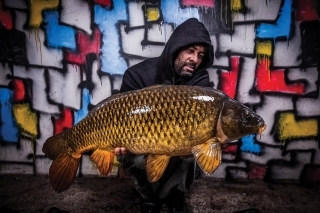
{"x": 23, "y": 193}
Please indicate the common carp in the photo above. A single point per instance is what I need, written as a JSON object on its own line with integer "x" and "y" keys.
{"x": 159, "y": 121}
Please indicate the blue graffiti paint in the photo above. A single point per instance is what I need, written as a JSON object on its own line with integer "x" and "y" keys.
{"x": 58, "y": 36}
{"x": 173, "y": 13}
{"x": 248, "y": 144}
{"x": 111, "y": 60}
{"x": 83, "y": 112}
{"x": 282, "y": 26}
{"x": 8, "y": 126}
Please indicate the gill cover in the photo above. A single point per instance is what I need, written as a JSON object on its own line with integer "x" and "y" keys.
{"x": 238, "y": 120}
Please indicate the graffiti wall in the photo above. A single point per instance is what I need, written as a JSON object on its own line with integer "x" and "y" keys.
{"x": 59, "y": 58}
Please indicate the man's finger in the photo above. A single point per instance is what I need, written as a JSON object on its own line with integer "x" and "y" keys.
{"x": 123, "y": 150}
{"x": 117, "y": 151}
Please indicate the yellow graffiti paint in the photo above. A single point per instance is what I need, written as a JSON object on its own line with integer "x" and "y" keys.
{"x": 290, "y": 128}
{"x": 264, "y": 51}
{"x": 36, "y": 8}
{"x": 236, "y": 5}
{"x": 264, "y": 48}
{"x": 26, "y": 119}
{"x": 153, "y": 14}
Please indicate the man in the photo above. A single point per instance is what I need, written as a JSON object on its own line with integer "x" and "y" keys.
{"x": 184, "y": 60}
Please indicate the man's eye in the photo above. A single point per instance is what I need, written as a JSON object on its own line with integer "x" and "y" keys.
{"x": 201, "y": 56}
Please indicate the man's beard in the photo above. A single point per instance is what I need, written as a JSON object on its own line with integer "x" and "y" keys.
{"x": 180, "y": 70}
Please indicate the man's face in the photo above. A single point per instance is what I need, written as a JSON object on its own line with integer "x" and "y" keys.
{"x": 189, "y": 59}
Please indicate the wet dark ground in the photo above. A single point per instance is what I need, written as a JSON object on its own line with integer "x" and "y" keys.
{"x": 23, "y": 193}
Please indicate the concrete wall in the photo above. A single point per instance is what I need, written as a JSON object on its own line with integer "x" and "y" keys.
{"x": 59, "y": 58}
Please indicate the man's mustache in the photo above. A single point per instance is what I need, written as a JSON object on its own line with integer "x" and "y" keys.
{"x": 189, "y": 64}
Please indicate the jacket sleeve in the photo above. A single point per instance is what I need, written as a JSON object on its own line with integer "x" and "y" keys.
{"x": 203, "y": 80}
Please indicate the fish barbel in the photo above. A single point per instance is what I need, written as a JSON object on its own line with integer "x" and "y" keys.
{"x": 159, "y": 121}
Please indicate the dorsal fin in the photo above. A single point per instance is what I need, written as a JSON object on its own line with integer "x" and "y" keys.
{"x": 156, "y": 86}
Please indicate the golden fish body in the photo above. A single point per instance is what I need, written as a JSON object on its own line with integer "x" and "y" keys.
{"x": 159, "y": 121}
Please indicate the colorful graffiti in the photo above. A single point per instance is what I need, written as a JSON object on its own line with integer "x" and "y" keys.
{"x": 60, "y": 58}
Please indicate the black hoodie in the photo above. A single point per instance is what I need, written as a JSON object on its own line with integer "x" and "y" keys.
{"x": 160, "y": 70}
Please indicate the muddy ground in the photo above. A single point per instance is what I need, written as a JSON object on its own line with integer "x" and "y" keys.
{"x": 23, "y": 193}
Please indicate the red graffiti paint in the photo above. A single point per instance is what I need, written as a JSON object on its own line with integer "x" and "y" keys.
{"x": 230, "y": 149}
{"x": 63, "y": 123}
{"x": 198, "y": 3}
{"x": 5, "y": 18}
{"x": 104, "y": 3}
{"x": 229, "y": 79}
{"x": 85, "y": 45}
{"x": 305, "y": 11}
{"x": 256, "y": 171}
{"x": 19, "y": 90}
{"x": 274, "y": 81}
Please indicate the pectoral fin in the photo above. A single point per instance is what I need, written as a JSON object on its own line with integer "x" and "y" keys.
{"x": 156, "y": 164}
{"x": 208, "y": 155}
{"x": 103, "y": 159}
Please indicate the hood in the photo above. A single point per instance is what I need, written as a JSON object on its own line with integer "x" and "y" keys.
{"x": 189, "y": 32}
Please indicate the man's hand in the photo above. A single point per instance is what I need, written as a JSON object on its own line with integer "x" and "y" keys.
{"x": 120, "y": 151}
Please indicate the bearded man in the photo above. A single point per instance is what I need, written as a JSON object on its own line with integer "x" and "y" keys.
{"x": 184, "y": 60}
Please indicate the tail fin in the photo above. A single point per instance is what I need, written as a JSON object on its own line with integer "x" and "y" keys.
{"x": 54, "y": 146}
{"x": 64, "y": 167}
{"x": 62, "y": 172}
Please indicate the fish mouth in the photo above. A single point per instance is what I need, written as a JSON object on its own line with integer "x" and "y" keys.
{"x": 261, "y": 129}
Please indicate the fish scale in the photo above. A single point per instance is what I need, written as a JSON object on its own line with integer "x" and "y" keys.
{"x": 140, "y": 119}
{"x": 159, "y": 122}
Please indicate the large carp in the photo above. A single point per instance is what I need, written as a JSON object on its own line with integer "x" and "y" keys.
{"x": 159, "y": 121}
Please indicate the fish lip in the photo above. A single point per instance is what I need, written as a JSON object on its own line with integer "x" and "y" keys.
{"x": 261, "y": 129}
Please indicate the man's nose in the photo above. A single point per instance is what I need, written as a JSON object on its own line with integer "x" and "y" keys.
{"x": 194, "y": 58}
